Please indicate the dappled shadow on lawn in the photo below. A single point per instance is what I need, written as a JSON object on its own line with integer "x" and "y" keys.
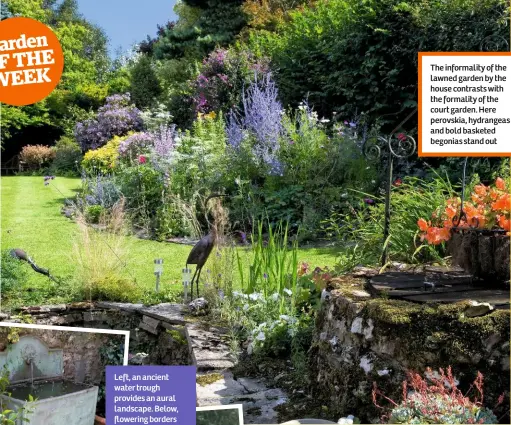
{"x": 55, "y": 202}
{"x": 317, "y": 254}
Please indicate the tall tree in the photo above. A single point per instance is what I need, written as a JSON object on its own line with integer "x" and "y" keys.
{"x": 202, "y": 26}
{"x": 144, "y": 87}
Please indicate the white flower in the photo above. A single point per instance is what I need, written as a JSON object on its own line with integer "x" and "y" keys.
{"x": 291, "y": 332}
{"x": 285, "y": 317}
{"x": 275, "y": 296}
{"x": 373, "y": 181}
{"x": 245, "y": 307}
{"x": 236, "y": 294}
{"x": 344, "y": 195}
{"x": 288, "y": 291}
{"x": 260, "y": 336}
{"x": 255, "y": 296}
{"x": 347, "y": 420}
{"x": 324, "y": 120}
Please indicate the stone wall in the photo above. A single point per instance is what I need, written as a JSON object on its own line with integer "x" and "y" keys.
{"x": 359, "y": 341}
{"x": 157, "y": 335}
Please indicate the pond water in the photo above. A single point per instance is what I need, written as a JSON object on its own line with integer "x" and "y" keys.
{"x": 44, "y": 390}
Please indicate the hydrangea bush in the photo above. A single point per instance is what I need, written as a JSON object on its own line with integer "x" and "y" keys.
{"x": 116, "y": 118}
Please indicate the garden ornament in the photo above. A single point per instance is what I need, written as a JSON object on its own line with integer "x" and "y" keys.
{"x": 199, "y": 306}
{"x": 22, "y": 255}
{"x": 202, "y": 249}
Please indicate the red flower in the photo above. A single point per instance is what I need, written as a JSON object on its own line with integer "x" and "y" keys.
{"x": 398, "y": 182}
{"x": 142, "y": 159}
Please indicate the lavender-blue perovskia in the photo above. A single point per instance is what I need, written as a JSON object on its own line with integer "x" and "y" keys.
{"x": 164, "y": 140}
{"x": 234, "y": 130}
{"x": 263, "y": 117}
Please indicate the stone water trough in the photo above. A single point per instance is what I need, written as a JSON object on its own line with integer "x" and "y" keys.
{"x": 36, "y": 370}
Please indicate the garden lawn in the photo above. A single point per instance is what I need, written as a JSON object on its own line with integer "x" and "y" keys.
{"x": 31, "y": 219}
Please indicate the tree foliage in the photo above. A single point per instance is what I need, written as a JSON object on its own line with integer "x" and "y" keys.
{"x": 144, "y": 85}
{"x": 85, "y": 80}
{"x": 205, "y": 25}
{"x": 362, "y": 56}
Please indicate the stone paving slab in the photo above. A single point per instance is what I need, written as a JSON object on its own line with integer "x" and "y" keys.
{"x": 259, "y": 402}
{"x": 168, "y": 312}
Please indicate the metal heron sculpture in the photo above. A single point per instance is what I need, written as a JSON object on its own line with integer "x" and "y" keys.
{"x": 202, "y": 249}
{"x": 23, "y": 256}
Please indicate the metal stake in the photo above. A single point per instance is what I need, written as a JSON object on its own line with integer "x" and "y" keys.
{"x": 158, "y": 270}
{"x": 186, "y": 281}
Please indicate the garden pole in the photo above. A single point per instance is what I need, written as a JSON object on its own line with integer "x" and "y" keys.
{"x": 386, "y": 229}
{"x": 401, "y": 147}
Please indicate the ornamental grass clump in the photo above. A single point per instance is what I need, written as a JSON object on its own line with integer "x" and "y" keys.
{"x": 437, "y": 399}
{"x": 489, "y": 209}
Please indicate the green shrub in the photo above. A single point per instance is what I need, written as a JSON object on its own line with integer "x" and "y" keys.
{"x": 363, "y": 225}
{"x": 68, "y": 156}
{"x": 93, "y": 213}
{"x": 144, "y": 87}
{"x": 362, "y": 55}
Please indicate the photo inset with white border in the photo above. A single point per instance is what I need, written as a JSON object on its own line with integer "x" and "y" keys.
{"x": 220, "y": 415}
{"x": 56, "y": 374}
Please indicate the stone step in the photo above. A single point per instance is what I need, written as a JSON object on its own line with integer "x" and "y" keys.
{"x": 209, "y": 351}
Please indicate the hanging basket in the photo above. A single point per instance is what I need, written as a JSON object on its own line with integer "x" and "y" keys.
{"x": 483, "y": 254}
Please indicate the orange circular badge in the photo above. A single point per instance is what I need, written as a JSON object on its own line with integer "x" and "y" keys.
{"x": 31, "y": 61}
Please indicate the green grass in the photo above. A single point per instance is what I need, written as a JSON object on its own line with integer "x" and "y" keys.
{"x": 31, "y": 220}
